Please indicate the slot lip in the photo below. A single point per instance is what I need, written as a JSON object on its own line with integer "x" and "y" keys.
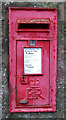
{"x": 34, "y": 21}
{"x": 34, "y": 8}
{"x": 33, "y": 30}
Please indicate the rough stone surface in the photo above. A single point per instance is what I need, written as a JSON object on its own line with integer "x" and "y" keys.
{"x": 5, "y": 64}
{"x": 7, "y": 1}
{"x": 1, "y": 60}
{"x": 65, "y": 58}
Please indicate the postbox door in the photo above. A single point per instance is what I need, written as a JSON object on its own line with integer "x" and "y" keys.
{"x": 33, "y": 74}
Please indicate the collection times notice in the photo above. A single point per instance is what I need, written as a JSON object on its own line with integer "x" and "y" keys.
{"x": 32, "y": 60}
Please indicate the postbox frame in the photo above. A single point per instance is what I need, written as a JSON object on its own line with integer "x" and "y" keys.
{"x": 12, "y": 61}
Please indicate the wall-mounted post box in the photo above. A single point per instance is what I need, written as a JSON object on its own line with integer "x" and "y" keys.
{"x": 32, "y": 59}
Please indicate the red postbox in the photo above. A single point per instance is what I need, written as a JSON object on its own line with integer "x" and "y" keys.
{"x": 32, "y": 59}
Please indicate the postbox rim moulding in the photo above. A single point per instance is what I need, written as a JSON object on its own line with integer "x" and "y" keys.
{"x": 32, "y": 8}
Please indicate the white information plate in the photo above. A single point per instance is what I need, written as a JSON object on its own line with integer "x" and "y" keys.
{"x": 32, "y": 61}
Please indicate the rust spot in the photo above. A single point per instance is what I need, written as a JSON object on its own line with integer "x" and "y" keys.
{"x": 11, "y": 60}
{"x": 13, "y": 37}
{"x": 54, "y": 25}
{"x": 10, "y": 73}
{"x": 54, "y": 105}
{"x": 51, "y": 90}
{"x": 20, "y": 79}
{"x": 17, "y": 76}
{"x": 54, "y": 50}
{"x": 47, "y": 110}
{"x": 54, "y": 57}
{"x": 53, "y": 34}
{"x": 47, "y": 34}
{"x": 55, "y": 17}
{"x": 14, "y": 75}
{"x": 18, "y": 33}
{"x": 23, "y": 101}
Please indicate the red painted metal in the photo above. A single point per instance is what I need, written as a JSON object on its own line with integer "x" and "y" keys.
{"x": 32, "y": 92}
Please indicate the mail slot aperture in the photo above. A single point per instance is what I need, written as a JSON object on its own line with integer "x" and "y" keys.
{"x": 33, "y": 24}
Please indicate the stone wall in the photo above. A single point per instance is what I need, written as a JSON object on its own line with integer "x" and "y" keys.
{"x": 4, "y": 40}
{"x": 65, "y": 58}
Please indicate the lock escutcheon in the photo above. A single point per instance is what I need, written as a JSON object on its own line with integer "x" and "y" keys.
{"x": 24, "y": 80}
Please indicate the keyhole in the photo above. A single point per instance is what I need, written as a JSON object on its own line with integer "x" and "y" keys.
{"x": 23, "y": 78}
